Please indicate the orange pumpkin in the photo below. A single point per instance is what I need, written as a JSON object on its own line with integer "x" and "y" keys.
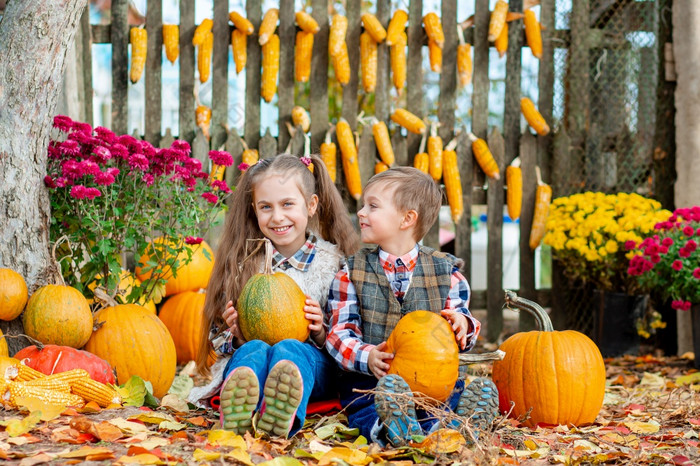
{"x": 426, "y": 354}
{"x": 560, "y": 376}
{"x": 4, "y": 351}
{"x": 58, "y": 315}
{"x": 13, "y": 294}
{"x": 189, "y": 276}
{"x": 135, "y": 342}
{"x": 127, "y": 281}
{"x": 183, "y": 314}
{"x": 271, "y": 306}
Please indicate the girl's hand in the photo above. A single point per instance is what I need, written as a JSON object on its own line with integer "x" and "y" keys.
{"x": 379, "y": 361}
{"x": 314, "y": 314}
{"x": 459, "y": 325}
{"x": 230, "y": 315}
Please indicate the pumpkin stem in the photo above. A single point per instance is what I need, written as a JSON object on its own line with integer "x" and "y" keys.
{"x": 37, "y": 343}
{"x": 101, "y": 295}
{"x": 57, "y": 262}
{"x": 532, "y": 308}
{"x": 268, "y": 253}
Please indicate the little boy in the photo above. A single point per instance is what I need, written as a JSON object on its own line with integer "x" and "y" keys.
{"x": 381, "y": 284}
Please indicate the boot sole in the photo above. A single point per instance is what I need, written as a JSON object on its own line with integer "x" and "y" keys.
{"x": 397, "y": 414}
{"x": 239, "y": 398}
{"x": 283, "y": 391}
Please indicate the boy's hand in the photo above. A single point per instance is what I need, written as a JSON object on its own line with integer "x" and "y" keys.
{"x": 379, "y": 361}
{"x": 230, "y": 315}
{"x": 314, "y": 314}
{"x": 459, "y": 325}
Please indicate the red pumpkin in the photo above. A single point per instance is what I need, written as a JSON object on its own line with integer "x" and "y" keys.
{"x": 426, "y": 354}
{"x": 52, "y": 359}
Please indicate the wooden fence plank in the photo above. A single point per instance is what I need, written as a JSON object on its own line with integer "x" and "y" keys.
{"x": 528, "y": 160}
{"x": 545, "y": 84}
{"x": 285, "y": 89}
{"x": 511, "y": 119}
{"x": 463, "y": 230}
{"x": 415, "y": 102}
{"x": 120, "y": 67}
{"x": 318, "y": 91}
{"x": 253, "y": 77}
{"x": 219, "y": 83}
{"x": 382, "y": 103}
{"x": 494, "y": 245}
{"x": 154, "y": 60}
{"x": 579, "y": 80}
{"x": 561, "y": 145}
{"x": 85, "y": 59}
{"x": 481, "y": 86}
{"x": 352, "y": 38}
{"x": 186, "y": 114}
{"x": 268, "y": 145}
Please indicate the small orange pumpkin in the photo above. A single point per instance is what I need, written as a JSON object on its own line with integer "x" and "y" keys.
{"x": 560, "y": 376}
{"x": 13, "y": 294}
{"x": 4, "y": 351}
{"x": 426, "y": 354}
{"x": 189, "y": 277}
{"x": 58, "y": 315}
{"x": 271, "y": 306}
{"x": 135, "y": 342}
{"x": 183, "y": 315}
{"x": 127, "y": 281}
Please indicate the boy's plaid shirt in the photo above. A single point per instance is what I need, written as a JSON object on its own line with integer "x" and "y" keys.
{"x": 344, "y": 341}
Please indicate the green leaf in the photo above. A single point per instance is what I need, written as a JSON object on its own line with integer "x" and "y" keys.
{"x": 133, "y": 392}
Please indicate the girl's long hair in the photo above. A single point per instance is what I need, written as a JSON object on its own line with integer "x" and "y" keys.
{"x": 331, "y": 222}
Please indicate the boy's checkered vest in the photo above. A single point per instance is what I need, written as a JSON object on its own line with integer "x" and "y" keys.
{"x": 379, "y": 308}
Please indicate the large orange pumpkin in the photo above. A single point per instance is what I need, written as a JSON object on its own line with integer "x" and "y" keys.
{"x": 183, "y": 314}
{"x": 127, "y": 281}
{"x": 271, "y": 306}
{"x": 426, "y": 354}
{"x": 189, "y": 277}
{"x": 58, "y": 315}
{"x": 13, "y": 294}
{"x": 135, "y": 342}
{"x": 560, "y": 376}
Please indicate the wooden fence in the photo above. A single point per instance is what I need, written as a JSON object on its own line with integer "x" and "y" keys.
{"x": 505, "y": 145}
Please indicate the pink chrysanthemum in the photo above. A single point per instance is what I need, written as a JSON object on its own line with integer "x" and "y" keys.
{"x": 220, "y": 157}
{"x": 210, "y": 197}
{"x": 193, "y": 240}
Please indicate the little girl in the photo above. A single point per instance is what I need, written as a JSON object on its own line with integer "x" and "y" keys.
{"x": 300, "y": 211}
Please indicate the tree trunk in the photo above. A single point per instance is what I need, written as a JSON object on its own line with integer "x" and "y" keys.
{"x": 34, "y": 38}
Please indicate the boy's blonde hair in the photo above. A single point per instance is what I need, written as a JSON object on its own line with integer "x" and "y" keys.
{"x": 415, "y": 190}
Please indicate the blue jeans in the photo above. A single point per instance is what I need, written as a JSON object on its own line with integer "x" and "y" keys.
{"x": 360, "y": 409}
{"x": 315, "y": 366}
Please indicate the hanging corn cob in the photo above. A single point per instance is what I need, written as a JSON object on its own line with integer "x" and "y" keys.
{"x": 396, "y": 27}
{"x": 348, "y": 152}
{"x": 464, "y": 59}
{"x": 533, "y": 117}
{"x": 435, "y": 55}
{"x": 484, "y": 158}
{"x": 501, "y": 42}
{"x": 300, "y": 117}
{"x": 241, "y": 23}
{"x": 421, "y": 160}
{"x": 268, "y": 26}
{"x": 341, "y": 64}
{"x": 302, "y": 56}
{"x": 270, "y": 67}
{"x": 498, "y": 19}
{"x": 452, "y": 180}
{"x": 433, "y": 28}
{"x": 239, "y": 43}
{"x": 368, "y": 62}
{"x": 171, "y": 41}
{"x": 92, "y": 390}
{"x": 217, "y": 173}
{"x": 306, "y": 22}
{"x": 249, "y": 156}
{"x": 434, "y": 154}
{"x": 543, "y": 197}
{"x": 382, "y": 141}
{"x": 139, "y": 45}
{"x": 201, "y": 31}
{"x": 398, "y": 63}
{"x": 203, "y": 118}
{"x": 514, "y": 187}
{"x": 533, "y": 33}
{"x": 204, "y": 52}
{"x": 380, "y": 167}
{"x": 328, "y": 155}
{"x": 408, "y": 120}
{"x": 336, "y": 38}
{"x": 374, "y": 27}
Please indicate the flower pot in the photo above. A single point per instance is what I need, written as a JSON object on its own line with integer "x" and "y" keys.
{"x": 615, "y": 325}
{"x": 695, "y": 317}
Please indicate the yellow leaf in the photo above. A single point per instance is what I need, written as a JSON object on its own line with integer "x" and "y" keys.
{"x": 299, "y": 453}
{"x": 153, "y": 442}
{"x": 582, "y": 444}
{"x": 530, "y": 444}
{"x": 128, "y": 427}
{"x": 201, "y": 455}
{"x": 144, "y": 458}
{"x": 84, "y": 452}
{"x": 652, "y": 381}
{"x": 17, "y": 427}
{"x": 239, "y": 455}
{"x": 171, "y": 425}
{"x": 442, "y": 441}
{"x": 282, "y": 461}
{"x": 226, "y": 438}
{"x": 48, "y": 411}
{"x": 639, "y": 427}
{"x": 152, "y": 417}
{"x": 688, "y": 379}
{"x": 348, "y": 455}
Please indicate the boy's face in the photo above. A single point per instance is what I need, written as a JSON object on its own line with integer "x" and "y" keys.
{"x": 379, "y": 219}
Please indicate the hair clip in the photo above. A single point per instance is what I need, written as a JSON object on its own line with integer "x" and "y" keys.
{"x": 305, "y": 160}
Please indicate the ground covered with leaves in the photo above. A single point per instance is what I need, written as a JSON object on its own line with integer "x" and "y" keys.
{"x": 651, "y": 415}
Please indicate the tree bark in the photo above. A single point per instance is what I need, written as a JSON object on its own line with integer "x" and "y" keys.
{"x": 34, "y": 38}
